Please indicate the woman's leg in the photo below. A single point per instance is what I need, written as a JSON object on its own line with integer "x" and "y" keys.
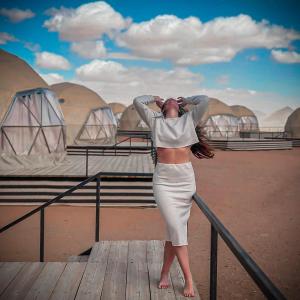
{"x": 169, "y": 255}
{"x": 183, "y": 258}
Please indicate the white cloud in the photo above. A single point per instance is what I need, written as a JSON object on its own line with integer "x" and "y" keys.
{"x": 89, "y": 49}
{"x": 103, "y": 70}
{"x": 96, "y": 49}
{"x": 190, "y": 42}
{"x": 113, "y": 80}
{"x": 86, "y": 22}
{"x": 287, "y": 57}
{"x": 252, "y": 57}
{"x": 127, "y": 56}
{"x": 116, "y": 81}
{"x": 48, "y": 60}
{"x": 223, "y": 79}
{"x": 6, "y": 37}
{"x": 32, "y": 46}
{"x": 266, "y": 102}
{"x": 52, "y": 78}
{"x": 16, "y": 15}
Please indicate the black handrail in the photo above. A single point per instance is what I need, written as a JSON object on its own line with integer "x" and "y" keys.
{"x": 217, "y": 228}
{"x": 42, "y": 207}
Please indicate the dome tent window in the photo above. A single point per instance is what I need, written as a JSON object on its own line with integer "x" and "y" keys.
{"x": 249, "y": 123}
{"x": 33, "y": 130}
{"x": 99, "y": 128}
{"x": 222, "y": 126}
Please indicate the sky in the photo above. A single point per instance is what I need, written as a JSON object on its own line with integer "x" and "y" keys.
{"x": 241, "y": 52}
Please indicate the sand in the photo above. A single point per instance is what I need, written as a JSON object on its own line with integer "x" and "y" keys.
{"x": 254, "y": 193}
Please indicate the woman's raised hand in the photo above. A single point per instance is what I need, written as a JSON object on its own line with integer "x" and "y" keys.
{"x": 181, "y": 101}
{"x": 159, "y": 101}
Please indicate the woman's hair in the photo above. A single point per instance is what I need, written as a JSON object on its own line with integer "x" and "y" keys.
{"x": 202, "y": 149}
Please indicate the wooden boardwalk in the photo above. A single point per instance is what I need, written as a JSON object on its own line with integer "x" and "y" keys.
{"x": 76, "y": 166}
{"x": 114, "y": 270}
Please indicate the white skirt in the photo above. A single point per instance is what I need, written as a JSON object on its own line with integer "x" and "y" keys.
{"x": 173, "y": 188}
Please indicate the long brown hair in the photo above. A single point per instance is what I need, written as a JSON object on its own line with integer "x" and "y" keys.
{"x": 202, "y": 149}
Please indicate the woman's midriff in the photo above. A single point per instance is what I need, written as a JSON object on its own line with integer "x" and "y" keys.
{"x": 173, "y": 155}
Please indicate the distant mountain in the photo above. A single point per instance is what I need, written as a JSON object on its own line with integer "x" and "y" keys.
{"x": 277, "y": 118}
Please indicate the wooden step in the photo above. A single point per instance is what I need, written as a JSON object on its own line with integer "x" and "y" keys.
{"x": 113, "y": 192}
{"x": 114, "y": 270}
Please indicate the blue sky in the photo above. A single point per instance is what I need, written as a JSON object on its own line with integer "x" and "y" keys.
{"x": 261, "y": 70}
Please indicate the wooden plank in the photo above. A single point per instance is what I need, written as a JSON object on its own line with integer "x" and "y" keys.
{"x": 8, "y": 271}
{"x": 155, "y": 261}
{"x": 114, "y": 286}
{"x": 100, "y": 251}
{"x": 75, "y": 165}
{"x": 46, "y": 281}
{"x": 137, "y": 287}
{"x": 69, "y": 281}
{"x": 84, "y": 258}
{"x": 19, "y": 287}
{"x": 92, "y": 282}
{"x": 73, "y": 258}
{"x": 78, "y": 258}
{"x": 178, "y": 281}
{"x": 93, "y": 278}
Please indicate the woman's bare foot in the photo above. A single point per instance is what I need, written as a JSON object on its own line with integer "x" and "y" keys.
{"x": 164, "y": 281}
{"x": 188, "y": 290}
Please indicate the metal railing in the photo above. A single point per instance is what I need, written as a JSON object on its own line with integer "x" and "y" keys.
{"x": 100, "y": 150}
{"x": 41, "y": 208}
{"x": 217, "y": 229}
{"x": 244, "y": 134}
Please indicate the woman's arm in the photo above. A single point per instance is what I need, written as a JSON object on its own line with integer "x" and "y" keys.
{"x": 140, "y": 103}
{"x": 201, "y": 105}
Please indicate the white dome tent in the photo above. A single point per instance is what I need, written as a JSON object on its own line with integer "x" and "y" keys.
{"x": 32, "y": 132}
{"x": 99, "y": 128}
{"x": 248, "y": 123}
{"x": 117, "y": 109}
{"x": 222, "y": 125}
{"x": 247, "y": 119}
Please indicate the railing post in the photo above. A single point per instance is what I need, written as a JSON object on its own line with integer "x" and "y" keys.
{"x": 130, "y": 145}
{"x": 87, "y": 162}
{"x": 213, "y": 263}
{"x": 42, "y": 234}
{"x": 97, "y": 208}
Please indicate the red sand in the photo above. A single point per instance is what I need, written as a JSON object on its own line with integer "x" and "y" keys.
{"x": 254, "y": 193}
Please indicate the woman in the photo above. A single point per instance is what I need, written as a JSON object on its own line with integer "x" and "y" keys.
{"x": 174, "y": 136}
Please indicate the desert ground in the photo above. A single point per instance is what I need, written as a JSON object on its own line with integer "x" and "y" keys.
{"x": 255, "y": 194}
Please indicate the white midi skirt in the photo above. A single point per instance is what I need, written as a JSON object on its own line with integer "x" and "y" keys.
{"x": 173, "y": 188}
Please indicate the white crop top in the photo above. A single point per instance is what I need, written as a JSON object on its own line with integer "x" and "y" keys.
{"x": 172, "y": 132}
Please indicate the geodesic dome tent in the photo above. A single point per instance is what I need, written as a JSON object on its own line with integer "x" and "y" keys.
{"x": 15, "y": 75}
{"x": 117, "y": 109}
{"x": 247, "y": 121}
{"x": 99, "y": 128}
{"x": 292, "y": 125}
{"x": 32, "y": 132}
{"x": 219, "y": 120}
{"x": 76, "y": 102}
